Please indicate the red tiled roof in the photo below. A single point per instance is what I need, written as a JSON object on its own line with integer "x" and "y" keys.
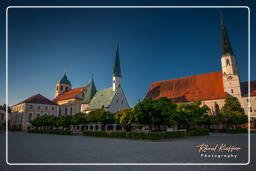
{"x": 38, "y": 99}
{"x": 244, "y": 88}
{"x": 207, "y": 86}
{"x": 70, "y": 94}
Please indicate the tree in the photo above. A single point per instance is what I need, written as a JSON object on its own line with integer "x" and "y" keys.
{"x": 232, "y": 112}
{"x": 3, "y": 107}
{"x": 143, "y": 112}
{"x": 101, "y": 116}
{"x": 125, "y": 118}
{"x": 184, "y": 115}
{"x": 79, "y": 118}
{"x": 158, "y": 112}
{"x": 64, "y": 121}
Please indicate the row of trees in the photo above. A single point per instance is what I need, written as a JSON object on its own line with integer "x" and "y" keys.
{"x": 4, "y": 106}
{"x": 155, "y": 113}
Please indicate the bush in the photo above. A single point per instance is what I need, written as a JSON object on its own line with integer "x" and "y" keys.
{"x": 236, "y": 130}
{"x": 198, "y": 132}
{"x": 56, "y": 131}
{"x": 144, "y": 136}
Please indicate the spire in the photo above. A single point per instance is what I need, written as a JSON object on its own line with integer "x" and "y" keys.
{"x": 226, "y": 46}
{"x": 117, "y": 69}
{"x": 91, "y": 91}
{"x": 64, "y": 79}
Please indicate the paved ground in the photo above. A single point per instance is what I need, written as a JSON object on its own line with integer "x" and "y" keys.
{"x": 43, "y": 148}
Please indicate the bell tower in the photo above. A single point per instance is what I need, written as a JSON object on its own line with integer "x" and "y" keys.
{"x": 116, "y": 79}
{"x": 62, "y": 85}
{"x": 231, "y": 79}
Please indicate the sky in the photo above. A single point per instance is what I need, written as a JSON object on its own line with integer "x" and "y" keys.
{"x": 155, "y": 45}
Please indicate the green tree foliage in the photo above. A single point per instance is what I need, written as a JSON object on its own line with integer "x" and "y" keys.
{"x": 232, "y": 112}
{"x": 100, "y": 116}
{"x": 79, "y": 118}
{"x": 193, "y": 113}
{"x": 125, "y": 118}
{"x": 3, "y": 107}
{"x": 155, "y": 113}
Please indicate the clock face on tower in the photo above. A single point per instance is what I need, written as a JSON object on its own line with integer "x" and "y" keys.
{"x": 229, "y": 77}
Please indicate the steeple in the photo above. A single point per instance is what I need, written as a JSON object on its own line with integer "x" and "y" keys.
{"x": 226, "y": 46}
{"x": 117, "y": 69}
{"x": 231, "y": 80}
{"x": 62, "y": 85}
{"x": 64, "y": 79}
{"x": 116, "y": 79}
{"x": 91, "y": 91}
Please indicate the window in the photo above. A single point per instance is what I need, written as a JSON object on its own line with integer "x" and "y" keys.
{"x": 60, "y": 111}
{"x": 122, "y": 102}
{"x": 46, "y": 107}
{"x": 232, "y": 91}
{"x": 61, "y": 88}
{"x": 66, "y": 110}
{"x": 71, "y": 110}
{"x": 66, "y": 88}
{"x": 31, "y": 107}
{"x": 37, "y": 115}
{"x": 52, "y": 108}
{"x": 57, "y": 88}
{"x": 250, "y": 109}
{"x": 29, "y": 116}
{"x": 247, "y": 100}
{"x": 38, "y": 107}
{"x": 116, "y": 100}
{"x": 227, "y": 62}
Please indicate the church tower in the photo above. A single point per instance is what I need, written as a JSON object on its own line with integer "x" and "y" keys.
{"x": 116, "y": 79}
{"x": 231, "y": 80}
{"x": 62, "y": 85}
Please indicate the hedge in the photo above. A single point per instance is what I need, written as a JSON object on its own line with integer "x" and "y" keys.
{"x": 236, "y": 130}
{"x": 146, "y": 136}
{"x": 51, "y": 131}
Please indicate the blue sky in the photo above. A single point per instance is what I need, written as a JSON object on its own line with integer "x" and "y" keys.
{"x": 155, "y": 44}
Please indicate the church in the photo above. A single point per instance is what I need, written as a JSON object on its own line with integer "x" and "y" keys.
{"x": 87, "y": 98}
{"x": 210, "y": 88}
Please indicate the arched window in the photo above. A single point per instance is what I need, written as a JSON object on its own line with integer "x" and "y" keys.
{"x": 227, "y": 62}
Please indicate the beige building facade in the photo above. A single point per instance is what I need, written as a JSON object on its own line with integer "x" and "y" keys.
{"x": 29, "y": 109}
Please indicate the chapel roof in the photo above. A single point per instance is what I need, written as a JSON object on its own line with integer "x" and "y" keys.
{"x": 102, "y": 98}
